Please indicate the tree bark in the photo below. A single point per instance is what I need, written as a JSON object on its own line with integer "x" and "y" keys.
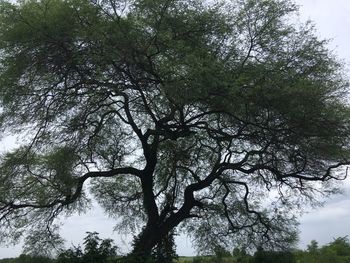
{"x": 143, "y": 244}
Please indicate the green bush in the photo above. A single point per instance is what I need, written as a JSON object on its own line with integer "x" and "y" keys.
{"x": 96, "y": 250}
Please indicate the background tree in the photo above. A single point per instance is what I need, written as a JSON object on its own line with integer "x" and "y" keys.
{"x": 337, "y": 251}
{"x": 71, "y": 255}
{"x": 312, "y": 248}
{"x": 95, "y": 250}
{"x": 219, "y": 117}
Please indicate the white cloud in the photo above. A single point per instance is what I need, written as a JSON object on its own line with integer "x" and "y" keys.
{"x": 332, "y": 21}
{"x": 328, "y": 222}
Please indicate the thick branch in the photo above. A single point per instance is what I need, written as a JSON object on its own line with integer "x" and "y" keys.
{"x": 80, "y": 182}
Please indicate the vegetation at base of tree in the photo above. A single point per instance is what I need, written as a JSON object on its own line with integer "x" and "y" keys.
{"x": 337, "y": 251}
{"x": 95, "y": 250}
{"x": 217, "y": 118}
{"x": 165, "y": 251}
{"x": 28, "y": 259}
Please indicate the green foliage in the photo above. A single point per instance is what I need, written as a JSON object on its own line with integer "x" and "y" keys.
{"x": 220, "y": 253}
{"x": 200, "y": 259}
{"x": 165, "y": 251}
{"x": 178, "y": 113}
{"x": 337, "y": 251}
{"x": 95, "y": 250}
{"x": 71, "y": 255}
{"x": 28, "y": 259}
{"x": 312, "y": 248}
{"x": 273, "y": 256}
{"x": 240, "y": 256}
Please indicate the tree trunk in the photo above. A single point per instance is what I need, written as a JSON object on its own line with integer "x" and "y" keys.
{"x": 143, "y": 245}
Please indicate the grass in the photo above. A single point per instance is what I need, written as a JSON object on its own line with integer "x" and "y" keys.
{"x": 201, "y": 259}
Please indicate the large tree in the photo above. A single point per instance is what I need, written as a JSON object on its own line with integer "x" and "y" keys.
{"x": 222, "y": 117}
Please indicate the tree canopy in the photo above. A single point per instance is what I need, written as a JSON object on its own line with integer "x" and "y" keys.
{"x": 221, "y": 117}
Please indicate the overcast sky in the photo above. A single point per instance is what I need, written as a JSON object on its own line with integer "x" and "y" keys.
{"x": 332, "y": 21}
